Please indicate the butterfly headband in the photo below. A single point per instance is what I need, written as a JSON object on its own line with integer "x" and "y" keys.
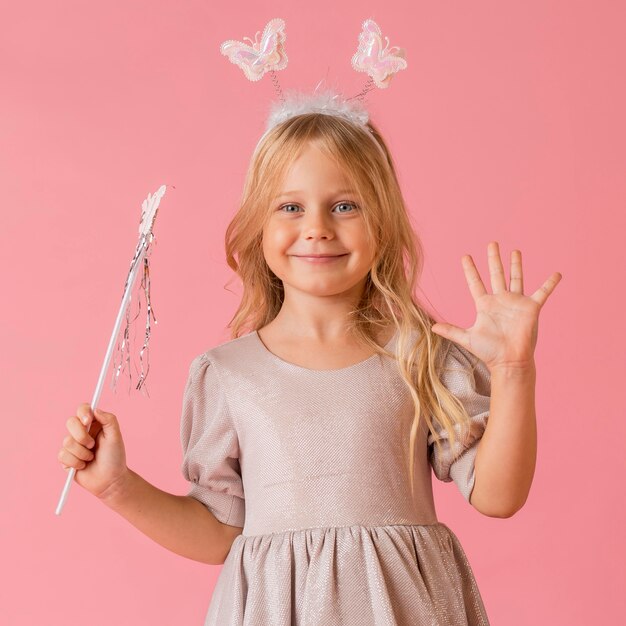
{"x": 268, "y": 55}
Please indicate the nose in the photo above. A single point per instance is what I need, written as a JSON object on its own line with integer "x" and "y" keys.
{"x": 317, "y": 227}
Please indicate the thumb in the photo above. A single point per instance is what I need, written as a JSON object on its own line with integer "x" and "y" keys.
{"x": 440, "y": 329}
{"x": 451, "y": 332}
{"x": 108, "y": 422}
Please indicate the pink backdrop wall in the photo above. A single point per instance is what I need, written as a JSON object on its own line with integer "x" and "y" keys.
{"x": 509, "y": 124}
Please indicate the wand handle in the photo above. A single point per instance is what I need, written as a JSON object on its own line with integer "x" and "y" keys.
{"x": 105, "y": 365}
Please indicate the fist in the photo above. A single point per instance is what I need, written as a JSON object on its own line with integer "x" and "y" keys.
{"x": 95, "y": 448}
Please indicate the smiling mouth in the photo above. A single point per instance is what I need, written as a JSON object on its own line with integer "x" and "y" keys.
{"x": 320, "y": 259}
{"x": 319, "y": 256}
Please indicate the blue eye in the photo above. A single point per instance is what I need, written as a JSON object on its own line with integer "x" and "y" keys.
{"x": 286, "y": 205}
{"x": 347, "y": 204}
{"x": 350, "y": 204}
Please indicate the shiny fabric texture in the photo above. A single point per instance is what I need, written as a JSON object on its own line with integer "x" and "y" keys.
{"x": 313, "y": 466}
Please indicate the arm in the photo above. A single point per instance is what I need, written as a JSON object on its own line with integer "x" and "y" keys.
{"x": 179, "y": 523}
{"x": 507, "y": 453}
{"x": 504, "y": 337}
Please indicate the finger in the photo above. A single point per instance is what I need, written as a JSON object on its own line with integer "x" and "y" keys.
{"x": 85, "y": 413}
{"x": 71, "y": 445}
{"x": 541, "y": 295}
{"x": 94, "y": 428}
{"x": 474, "y": 281}
{"x": 78, "y": 430}
{"x": 68, "y": 459}
{"x": 517, "y": 280}
{"x": 496, "y": 269}
{"x": 456, "y": 334}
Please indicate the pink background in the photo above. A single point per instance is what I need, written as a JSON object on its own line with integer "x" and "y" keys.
{"x": 508, "y": 125}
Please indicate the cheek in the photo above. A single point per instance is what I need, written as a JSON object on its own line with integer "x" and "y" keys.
{"x": 359, "y": 241}
{"x": 276, "y": 240}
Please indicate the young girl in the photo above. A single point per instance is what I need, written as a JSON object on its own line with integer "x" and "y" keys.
{"x": 309, "y": 436}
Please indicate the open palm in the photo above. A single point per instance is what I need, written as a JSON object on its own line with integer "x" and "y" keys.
{"x": 505, "y": 331}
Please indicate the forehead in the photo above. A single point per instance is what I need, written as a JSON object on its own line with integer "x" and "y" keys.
{"x": 312, "y": 169}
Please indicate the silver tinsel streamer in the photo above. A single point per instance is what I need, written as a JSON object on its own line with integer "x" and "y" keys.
{"x": 123, "y": 349}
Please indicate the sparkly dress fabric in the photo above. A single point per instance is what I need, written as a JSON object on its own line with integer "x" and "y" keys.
{"x": 311, "y": 464}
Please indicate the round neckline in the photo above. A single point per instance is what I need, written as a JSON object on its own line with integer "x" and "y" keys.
{"x": 276, "y": 358}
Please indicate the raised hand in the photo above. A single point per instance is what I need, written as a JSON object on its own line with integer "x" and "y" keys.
{"x": 505, "y": 331}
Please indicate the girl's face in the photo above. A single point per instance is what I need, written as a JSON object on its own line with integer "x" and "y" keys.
{"x": 316, "y": 214}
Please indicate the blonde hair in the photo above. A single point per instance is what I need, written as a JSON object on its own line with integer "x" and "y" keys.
{"x": 388, "y": 296}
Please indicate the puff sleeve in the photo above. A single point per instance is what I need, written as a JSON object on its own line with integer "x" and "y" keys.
{"x": 469, "y": 379}
{"x": 210, "y": 445}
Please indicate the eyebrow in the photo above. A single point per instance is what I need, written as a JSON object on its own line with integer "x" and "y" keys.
{"x": 289, "y": 193}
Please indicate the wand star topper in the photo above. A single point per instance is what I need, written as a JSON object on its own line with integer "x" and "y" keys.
{"x": 141, "y": 256}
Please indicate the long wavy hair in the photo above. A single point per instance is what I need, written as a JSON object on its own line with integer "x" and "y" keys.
{"x": 388, "y": 297}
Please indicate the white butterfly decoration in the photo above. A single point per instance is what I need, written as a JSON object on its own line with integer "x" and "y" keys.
{"x": 380, "y": 63}
{"x": 262, "y": 56}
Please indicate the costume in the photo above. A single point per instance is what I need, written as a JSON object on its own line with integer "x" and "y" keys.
{"x": 312, "y": 464}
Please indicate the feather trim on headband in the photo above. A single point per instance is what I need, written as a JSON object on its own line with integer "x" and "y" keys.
{"x": 327, "y": 102}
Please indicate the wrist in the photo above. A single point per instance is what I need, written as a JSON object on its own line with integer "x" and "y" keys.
{"x": 119, "y": 489}
{"x": 526, "y": 370}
